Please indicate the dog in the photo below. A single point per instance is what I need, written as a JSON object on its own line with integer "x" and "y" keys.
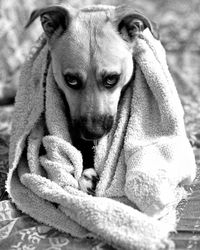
{"x": 91, "y": 52}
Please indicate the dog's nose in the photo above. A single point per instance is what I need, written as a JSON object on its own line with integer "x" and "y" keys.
{"x": 93, "y": 128}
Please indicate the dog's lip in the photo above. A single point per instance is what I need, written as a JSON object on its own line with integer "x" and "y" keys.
{"x": 95, "y": 138}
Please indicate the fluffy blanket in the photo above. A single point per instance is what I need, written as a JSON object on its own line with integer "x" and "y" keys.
{"x": 142, "y": 163}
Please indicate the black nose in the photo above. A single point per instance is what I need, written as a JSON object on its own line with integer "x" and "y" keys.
{"x": 93, "y": 128}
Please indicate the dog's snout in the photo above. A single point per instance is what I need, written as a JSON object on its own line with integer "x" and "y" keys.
{"x": 93, "y": 128}
{"x": 108, "y": 122}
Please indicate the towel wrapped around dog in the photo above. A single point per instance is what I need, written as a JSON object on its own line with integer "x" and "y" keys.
{"x": 141, "y": 162}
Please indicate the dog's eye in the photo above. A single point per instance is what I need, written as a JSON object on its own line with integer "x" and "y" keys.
{"x": 111, "y": 80}
{"x": 72, "y": 81}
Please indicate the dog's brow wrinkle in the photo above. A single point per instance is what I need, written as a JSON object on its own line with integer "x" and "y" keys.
{"x": 97, "y": 8}
{"x": 74, "y": 72}
{"x": 104, "y": 72}
{"x": 95, "y": 26}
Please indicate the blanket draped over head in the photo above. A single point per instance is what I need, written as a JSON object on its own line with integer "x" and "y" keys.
{"x": 141, "y": 162}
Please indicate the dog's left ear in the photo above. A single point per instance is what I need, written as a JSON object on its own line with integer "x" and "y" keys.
{"x": 132, "y": 23}
{"x": 53, "y": 18}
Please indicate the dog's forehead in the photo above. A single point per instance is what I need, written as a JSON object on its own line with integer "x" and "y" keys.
{"x": 91, "y": 25}
{"x": 91, "y": 36}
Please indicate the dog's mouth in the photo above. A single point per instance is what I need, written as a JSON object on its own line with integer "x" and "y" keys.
{"x": 91, "y": 135}
{"x": 92, "y": 129}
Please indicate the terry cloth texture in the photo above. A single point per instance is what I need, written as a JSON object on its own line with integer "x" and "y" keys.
{"x": 141, "y": 163}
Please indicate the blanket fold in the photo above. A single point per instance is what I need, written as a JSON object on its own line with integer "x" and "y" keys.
{"x": 141, "y": 162}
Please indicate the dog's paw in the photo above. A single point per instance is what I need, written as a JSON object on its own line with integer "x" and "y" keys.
{"x": 88, "y": 181}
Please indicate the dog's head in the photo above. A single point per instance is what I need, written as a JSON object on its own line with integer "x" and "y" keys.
{"x": 92, "y": 60}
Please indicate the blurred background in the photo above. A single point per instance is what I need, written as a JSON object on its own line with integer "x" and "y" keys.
{"x": 179, "y": 25}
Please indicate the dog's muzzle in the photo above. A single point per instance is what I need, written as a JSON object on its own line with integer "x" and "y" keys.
{"x": 93, "y": 128}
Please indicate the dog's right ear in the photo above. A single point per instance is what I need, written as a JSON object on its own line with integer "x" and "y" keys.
{"x": 130, "y": 23}
{"x": 53, "y": 18}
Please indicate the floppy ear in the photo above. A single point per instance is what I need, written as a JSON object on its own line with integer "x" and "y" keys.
{"x": 132, "y": 23}
{"x": 53, "y": 18}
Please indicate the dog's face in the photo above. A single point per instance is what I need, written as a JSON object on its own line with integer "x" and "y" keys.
{"x": 92, "y": 62}
{"x": 91, "y": 65}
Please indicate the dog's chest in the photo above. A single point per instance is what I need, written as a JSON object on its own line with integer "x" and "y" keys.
{"x": 87, "y": 151}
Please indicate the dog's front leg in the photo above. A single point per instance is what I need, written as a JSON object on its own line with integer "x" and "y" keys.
{"x": 88, "y": 181}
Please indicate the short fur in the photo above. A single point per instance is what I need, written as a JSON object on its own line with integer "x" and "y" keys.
{"x": 142, "y": 162}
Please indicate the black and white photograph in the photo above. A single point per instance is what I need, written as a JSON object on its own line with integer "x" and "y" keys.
{"x": 100, "y": 125}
